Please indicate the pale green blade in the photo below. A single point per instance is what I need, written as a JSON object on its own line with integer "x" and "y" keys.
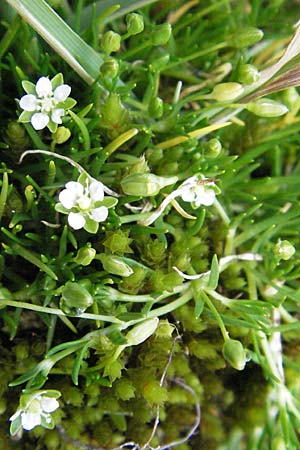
{"x": 64, "y": 41}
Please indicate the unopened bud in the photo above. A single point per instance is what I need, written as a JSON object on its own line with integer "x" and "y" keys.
{"x": 135, "y": 23}
{"x": 161, "y": 34}
{"x": 145, "y": 184}
{"x": 246, "y": 37}
{"x": 158, "y": 63}
{"x": 284, "y": 250}
{"x": 248, "y": 74}
{"x": 265, "y": 107}
{"x": 291, "y": 97}
{"x": 110, "y": 68}
{"x": 224, "y": 92}
{"x": 111, "y": 42}
{"x": 115, "y": 265}
{"x": 142, "y": 331}
{"x": 234, "y": 353}
{"x": 156, "y": 107}
{"x": 85, "y": 255}
{"x": 213, "y": 148}
{"x": 75, "y": 299}
{"x": 61, "y": 135}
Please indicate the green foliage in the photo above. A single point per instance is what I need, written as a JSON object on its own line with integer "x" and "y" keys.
{"x": 183, "y": 291}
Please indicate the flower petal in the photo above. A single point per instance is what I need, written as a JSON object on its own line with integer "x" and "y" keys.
{"x": 28, "y": 102}
{"x": 76, "y": 220}
{"x": 99, "y": 214}
{"x": 188, "y": 195}
{"x": 68, "y": 198}
{"x": 96, "y": 191}
{"x": 30, "y": 420}
{"x": 62, "y": 92}
{"x": 49, "y": 404}
{"x": 43, "y": 87}
{"x": 57, "y": 114}
{"x": 208, "y": 197}
{"x": 39, "y": 121}
{"x": 76, "y": 187}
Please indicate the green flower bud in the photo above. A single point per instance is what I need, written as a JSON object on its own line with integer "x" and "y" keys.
{"x": 291, "y": 97}
{"x": 134, "y": 23}
{"x": 85, "y": 255}
{"x": 161, "y": 34}
{"x": 224, "y": 92}
{"x": 246, "y": 37}
{"x": 156, "y": 107}
{"x": 111, "y": 42}
{"x": 265, "y": 107}
{"x": 284, "y": 250}
{"x": 75, "y": 299}
{"x": 145, "y": 184}
{"x": 248, "y": 74}
{"x": 115, "y": 265}
{"x": 159, "y": 63}
{"x": 234, "y": 353}
{"x": 213, "y": 148}
{"x": 109, "y": 68}
{"x": 61, "y": 135}
{"x": 139, "y": 333}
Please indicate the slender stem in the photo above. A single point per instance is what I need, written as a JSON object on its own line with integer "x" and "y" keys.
{"x": 217, "y": 315}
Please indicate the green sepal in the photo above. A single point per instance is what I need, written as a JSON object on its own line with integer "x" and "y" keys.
{"x": 68, "y": 103}
{"x": 25, "y": 116}
{"x": 91, "y": 226}
{"x": 49, "y": 423}
{"x": 57, "y": 81}
{"x": 28, "y": 87}
{"x": 109, "y": 202}
{"x": 15, "y": 426}
{"x": 214, "y": 274}
{"x": 61, "y": 209}
{"x": 52, "y": 126}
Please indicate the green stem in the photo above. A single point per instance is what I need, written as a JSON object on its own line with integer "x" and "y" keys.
{"x": 3, "y": 193}
{"x": 162, "y": 310}
{"x": 58, "y": 312}
{"x": 216, "y": 314}
{"x": 84, "y": 131}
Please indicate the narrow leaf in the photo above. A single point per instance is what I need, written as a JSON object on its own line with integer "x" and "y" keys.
{"x": 214, "y": 274}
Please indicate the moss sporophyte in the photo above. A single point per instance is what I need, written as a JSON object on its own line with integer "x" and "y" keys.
{"x": 149, "y": 268}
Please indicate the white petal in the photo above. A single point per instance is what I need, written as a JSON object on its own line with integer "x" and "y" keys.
{"x": 39, "y": 121}
{"x": 57, "y": 114}
{"x": 29, "y": 102}
{"x": 208, "y": 198}
{"x": 43, "y": 87}
{"x": 62, "y": 92}
{"x": 49, "y": 404}
{"x": 68, "y": 198}
{"x": 75, "y": 186}
{"x": 188, "y": 196}
{"x": 84, "y": 202}
{"x": 76, "y": 220}
{"x": 30, "y": 420}
{"x": 99, "y": 214}
{"x": 96, "y": 191}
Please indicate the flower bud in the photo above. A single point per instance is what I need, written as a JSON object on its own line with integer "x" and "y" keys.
{"x": 161, "y": 34}
{"x": 142, "y": 331}
{"x": 61, "y": 135}
{"x": 265, "y": 107}
{"x": 284, "y": 250}
{"x": 115, "y": 265}
{"x": 134, "y": 23}
{"x": 213, "y": 148}
{"x": 291, "y": 97}
{"x": 246, "y": 37}
{"x": 234, "y": 353}
{"x": 109, "y": 68}
{"x": 158, "y": 63}
{"x": 145, "y": 184}
{"x": 75, "y": 299}
{"x": 248, "y": 74}
{"x": 85, "y": 255}
{"x": 224, "y": 92}
{"x": 111, "y": 42}
{"x": 156, "y": 107}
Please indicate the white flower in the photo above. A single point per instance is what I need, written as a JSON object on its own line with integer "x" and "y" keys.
{"x": 45, "y": 103}
{"x": 35, "y": 409}
{"x": 198, "y": 191}
{"x": 82, "y": 201}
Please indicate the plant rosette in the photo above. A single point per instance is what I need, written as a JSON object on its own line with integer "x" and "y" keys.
{"x": 45, "y": 102}
{"x": 84, "y": 202}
